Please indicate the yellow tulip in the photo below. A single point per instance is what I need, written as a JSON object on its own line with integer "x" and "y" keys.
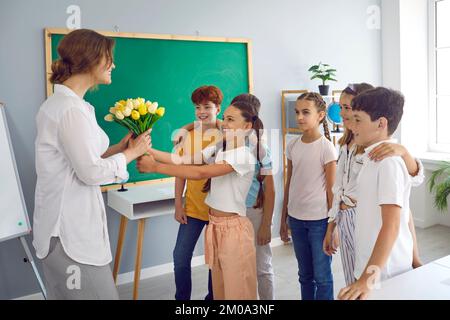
{"x": 141, "y": 101}
{"x": 120, "y": 108}
{"x": 109, "y": 118}
{"x": 123, "y": 102}
{"x": 135, "y": 115}
{"x": 142, "y": 109}
{"x": 160, "y": 112}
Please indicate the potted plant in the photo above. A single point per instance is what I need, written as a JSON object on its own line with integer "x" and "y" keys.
{"x": 324, "y": 72}
{"x": 440, "y": 188}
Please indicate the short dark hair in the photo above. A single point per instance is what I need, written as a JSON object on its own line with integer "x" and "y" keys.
{"x": 381, "y": 102}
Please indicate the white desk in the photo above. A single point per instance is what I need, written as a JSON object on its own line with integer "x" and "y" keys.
{"x": 445, "y": 262}
{"x": 140, "y": 203}
{"x": 429, "y": 282}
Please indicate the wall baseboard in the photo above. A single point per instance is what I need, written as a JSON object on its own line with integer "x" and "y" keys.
{"x": 34, "y": 296}
{"x": 156, "y": 271}
{"x": 150, "y": 272}
{"x": 423, "y": 224}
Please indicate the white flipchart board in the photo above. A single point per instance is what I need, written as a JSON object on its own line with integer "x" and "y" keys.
{"x": 14, "y": 220}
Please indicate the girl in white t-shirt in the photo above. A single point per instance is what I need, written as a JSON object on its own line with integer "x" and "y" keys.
{"x": 229, "y": 237}
{"x": 308, "y": 197}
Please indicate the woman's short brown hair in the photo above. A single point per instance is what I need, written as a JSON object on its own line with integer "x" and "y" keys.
{"x": 80, "y": 51}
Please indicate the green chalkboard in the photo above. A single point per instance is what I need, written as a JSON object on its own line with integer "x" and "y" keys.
{"x": 166, "y": 71}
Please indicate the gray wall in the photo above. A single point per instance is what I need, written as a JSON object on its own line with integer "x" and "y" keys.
{"x": 288, "y": 36}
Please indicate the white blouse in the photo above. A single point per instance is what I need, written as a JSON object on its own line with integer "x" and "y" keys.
{"x": 345, "y": 186}
{"x": 70, "y": 170}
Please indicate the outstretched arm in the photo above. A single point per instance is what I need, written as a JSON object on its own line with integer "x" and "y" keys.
{"x": 176, "y": 159}
{"x": 148, "y": 164}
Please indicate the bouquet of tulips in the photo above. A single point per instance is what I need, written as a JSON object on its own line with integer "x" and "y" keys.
{"x": 137, "y": 115}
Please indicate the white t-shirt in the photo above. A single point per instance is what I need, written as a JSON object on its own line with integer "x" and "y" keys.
{"x": 384, "y": 182}
{"x": 307, "y": 191}
{"x": 346, "y": 183}
{"x": 229, "y": 192}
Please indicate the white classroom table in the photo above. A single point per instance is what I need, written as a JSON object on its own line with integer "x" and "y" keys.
{"x": 445, "y": 261}
{"x": 429, "y": 282}
{"x": 140, "y": 203}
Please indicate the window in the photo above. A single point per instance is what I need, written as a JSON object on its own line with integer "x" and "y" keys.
{"x": 440, "y": 75}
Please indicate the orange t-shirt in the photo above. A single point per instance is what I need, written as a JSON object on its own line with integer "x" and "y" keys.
{"x": 195, "y": 206}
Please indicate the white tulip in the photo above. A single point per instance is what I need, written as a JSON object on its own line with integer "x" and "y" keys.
{"x": 112, "y": 110}
{"x": 119, "y": 115}
{"x": 136, "y": 103}
{"x": 127, "y": 112}
{"x": 152, "y": 108}
{"x": 129, "y": 104}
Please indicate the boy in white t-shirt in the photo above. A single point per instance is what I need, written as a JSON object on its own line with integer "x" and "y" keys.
{"x": 383, "y": 241}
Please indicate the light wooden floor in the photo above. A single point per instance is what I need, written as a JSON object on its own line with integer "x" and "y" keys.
{"x": 434, "y": 243}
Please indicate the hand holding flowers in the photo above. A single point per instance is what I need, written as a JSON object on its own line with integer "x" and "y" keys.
{"x": 146, "y": 163}
{"x": 137, "y": 147}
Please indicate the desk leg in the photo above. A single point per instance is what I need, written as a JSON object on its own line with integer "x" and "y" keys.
{"x": 121, "y": 238}
{"x": 137, "y": 269}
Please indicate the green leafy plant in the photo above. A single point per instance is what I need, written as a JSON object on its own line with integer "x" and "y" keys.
{"x": 439, "y": 184}
{"x": 323, "y": 72}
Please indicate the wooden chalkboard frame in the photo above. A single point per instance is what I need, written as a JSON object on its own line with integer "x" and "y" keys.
{"x": 48, "y": 32}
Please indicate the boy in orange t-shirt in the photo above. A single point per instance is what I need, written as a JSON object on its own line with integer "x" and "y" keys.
{"x": 193, "y": 216}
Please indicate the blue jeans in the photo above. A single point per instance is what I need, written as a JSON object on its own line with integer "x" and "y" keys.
{"x": 187, "y": 238}
{"x": 314, "y": 266}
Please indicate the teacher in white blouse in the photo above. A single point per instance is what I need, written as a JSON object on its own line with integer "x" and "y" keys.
{"x": 73, "y": 159}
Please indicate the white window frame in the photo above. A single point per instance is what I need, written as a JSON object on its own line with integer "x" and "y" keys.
{"x": 433, "y": 144}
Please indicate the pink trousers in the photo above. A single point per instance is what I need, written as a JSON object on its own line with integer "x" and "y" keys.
{"x": 230, "y": 254}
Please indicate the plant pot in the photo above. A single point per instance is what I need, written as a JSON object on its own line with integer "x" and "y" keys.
{"x": 323, "y": 90}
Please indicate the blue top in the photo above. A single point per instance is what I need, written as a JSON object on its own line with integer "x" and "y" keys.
{"x": 266, "y": 162}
